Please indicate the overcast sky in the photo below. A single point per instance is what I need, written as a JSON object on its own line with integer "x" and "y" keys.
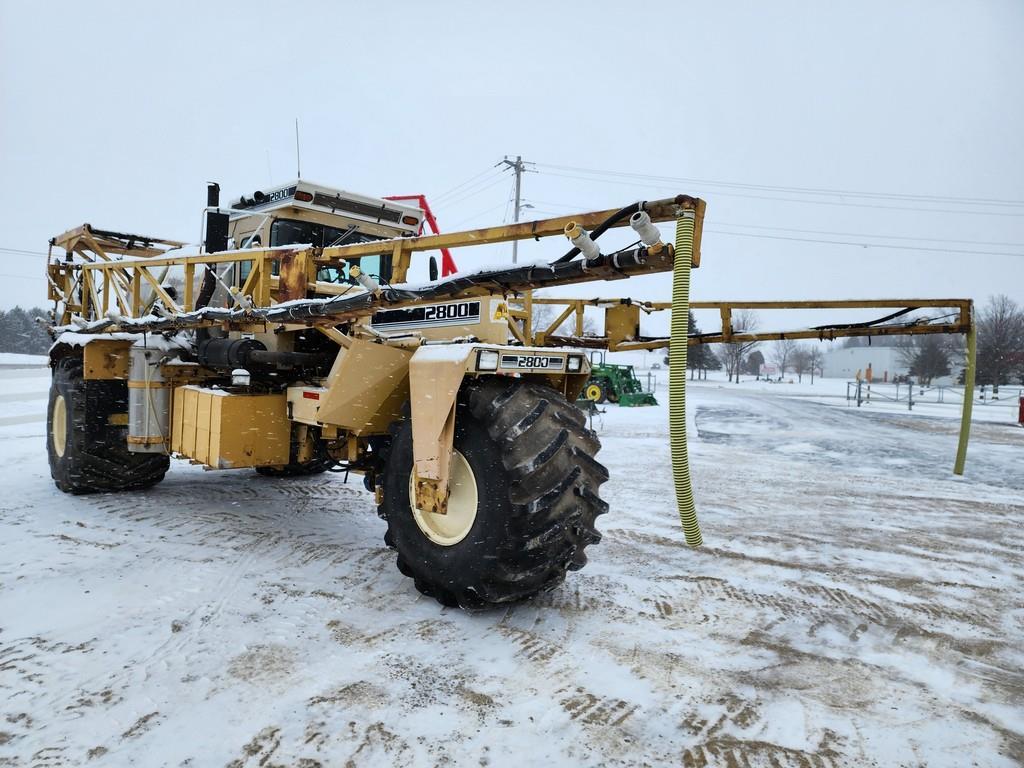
{"x": 118, "y": 113}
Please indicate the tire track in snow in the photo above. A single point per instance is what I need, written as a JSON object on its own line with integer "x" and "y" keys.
{"x": 240, "y": 532}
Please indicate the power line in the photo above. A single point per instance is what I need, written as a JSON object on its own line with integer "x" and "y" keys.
{"x": 634, "y": 185}
{"x": 458, "y": 189}
{"x": 983, "y": 243}
{"x": 473, "y": 192}
{"x": 459, "y": 223}
{"x": 797, "y": 190}
{"x": 847, "y": 234}
{"x": 864, "y": 245}
{"x": 861, "y": 234}
{"x": 462, "y": 184}
{"x": 23, "y": 252}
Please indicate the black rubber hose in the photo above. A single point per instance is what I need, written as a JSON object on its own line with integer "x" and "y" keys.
{"x": 206, "y": 289}
{"x": 290, "y": 359}
{"x": 601, "y": 228}
{"x": 497, "y": 280}
{"x": 868, "y": 324}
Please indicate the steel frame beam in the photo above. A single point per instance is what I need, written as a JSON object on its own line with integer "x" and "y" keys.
{"x": 964, "y": 308}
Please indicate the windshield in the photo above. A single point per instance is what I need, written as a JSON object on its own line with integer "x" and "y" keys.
{"x": 292, "y": 232}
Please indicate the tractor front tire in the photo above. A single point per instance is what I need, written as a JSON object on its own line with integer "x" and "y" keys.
{"x": 523, "y": 500}
{"x": 88, "y": 452}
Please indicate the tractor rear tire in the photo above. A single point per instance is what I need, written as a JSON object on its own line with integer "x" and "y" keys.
{"x": 596, "y": 392}
{"x": 88, "y": 453}
{"x": 523, "y": 504}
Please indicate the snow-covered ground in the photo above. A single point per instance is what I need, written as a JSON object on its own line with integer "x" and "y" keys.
{"x": 15, "y": 360}
{"x": 941, "y": 402}
{"x": 944, "y": 402}
{"x": 854, "y": 604}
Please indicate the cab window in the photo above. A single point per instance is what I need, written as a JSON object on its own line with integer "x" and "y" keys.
{"x": 245, "y": 267}
{"x": 291, "y": 232}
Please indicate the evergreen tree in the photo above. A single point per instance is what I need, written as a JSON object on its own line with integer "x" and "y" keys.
{"x": 751, "y": 365}
{"x": 20, "y": 333}
{"x": 930, "y": 358}
{"x": 699, "y": 357}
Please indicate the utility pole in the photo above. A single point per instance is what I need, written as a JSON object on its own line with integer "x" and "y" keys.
{"x": 518, "y": 167}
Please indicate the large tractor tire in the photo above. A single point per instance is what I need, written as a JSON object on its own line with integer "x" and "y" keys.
{"x": 88, "y": 451}
{"x": 596, "y": 391}
{"x": 523, "y": 501}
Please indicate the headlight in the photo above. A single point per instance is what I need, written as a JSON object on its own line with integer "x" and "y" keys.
{"x": 487, "y": 360}
{"x": 574, "y": 364}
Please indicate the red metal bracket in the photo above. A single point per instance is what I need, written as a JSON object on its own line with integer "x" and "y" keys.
{"x": 447, "y": 262}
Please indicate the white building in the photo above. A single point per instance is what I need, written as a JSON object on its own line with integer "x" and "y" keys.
{"x": 843, "y": 363}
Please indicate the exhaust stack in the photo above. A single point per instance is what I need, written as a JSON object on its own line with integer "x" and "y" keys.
{"x": 216, "y": 239}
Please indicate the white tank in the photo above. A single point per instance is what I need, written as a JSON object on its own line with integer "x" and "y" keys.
{"x": 149, "y": 400}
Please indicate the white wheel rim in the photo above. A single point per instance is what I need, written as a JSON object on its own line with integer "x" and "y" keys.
{"x": 59, "y": 425}
{"x": 453, "y": 527}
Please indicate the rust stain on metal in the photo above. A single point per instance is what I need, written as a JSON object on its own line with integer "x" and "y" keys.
{"x": 293, "y": 279}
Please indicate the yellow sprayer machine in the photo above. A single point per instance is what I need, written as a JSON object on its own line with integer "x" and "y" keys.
{"x": 291, "y": 343}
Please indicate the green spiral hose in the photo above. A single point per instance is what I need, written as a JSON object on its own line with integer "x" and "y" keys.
{"x": 677, "y": 377}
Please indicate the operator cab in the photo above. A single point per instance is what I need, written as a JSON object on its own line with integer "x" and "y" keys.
{"x": 304, "y": 213}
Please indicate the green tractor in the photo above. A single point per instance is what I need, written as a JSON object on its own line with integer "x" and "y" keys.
{"x": 615, "y": 383}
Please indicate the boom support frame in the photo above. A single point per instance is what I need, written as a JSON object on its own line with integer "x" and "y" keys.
{"x": 111, "y": 282}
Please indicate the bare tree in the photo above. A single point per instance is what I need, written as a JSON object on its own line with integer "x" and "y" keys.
{"x": 800, "y": 360}
{"x": 782, "y": 350}
{"x": 733, "y": 354}
{"x": 815, "y": 362}
{"x": 589, "y": 325}
{"x": 1000, "y": 342}
{"x": 545, "y": 314}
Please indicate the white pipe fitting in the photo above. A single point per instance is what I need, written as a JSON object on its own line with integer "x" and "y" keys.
{"x": 641, "y": 224}
{"x": 364, "y": 280}
{"x": 580, "y": 238}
